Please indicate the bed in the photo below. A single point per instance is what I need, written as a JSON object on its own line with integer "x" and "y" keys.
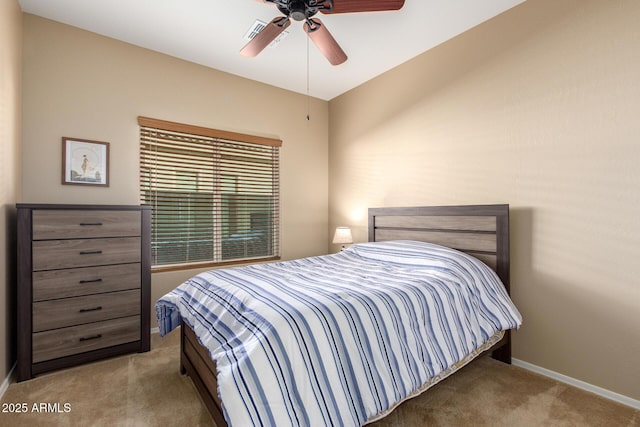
{"x": 258, "y": 380}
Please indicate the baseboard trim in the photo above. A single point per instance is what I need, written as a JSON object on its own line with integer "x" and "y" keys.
{"x": 7, "y": 381}
{"x": 608, "y": 394}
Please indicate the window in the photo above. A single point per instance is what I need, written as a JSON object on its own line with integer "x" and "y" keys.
{"x": 215, "y": 194}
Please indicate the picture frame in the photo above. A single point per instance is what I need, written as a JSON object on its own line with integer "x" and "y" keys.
{"x": 85, "y": 162}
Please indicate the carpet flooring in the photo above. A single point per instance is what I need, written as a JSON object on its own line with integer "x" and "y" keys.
{"x": 147, "y": 390}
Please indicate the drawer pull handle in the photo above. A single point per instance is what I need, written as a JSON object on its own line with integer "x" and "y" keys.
{"x": 86, "y": 224}
{"x": 90, "y": 252}
{"x": 82, "y": 282}
{"x": 86, "y": 310}
{"x": 93, "y": 337}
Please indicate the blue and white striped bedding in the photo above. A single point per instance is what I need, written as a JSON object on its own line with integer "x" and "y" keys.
{"x": 338, "y": 339}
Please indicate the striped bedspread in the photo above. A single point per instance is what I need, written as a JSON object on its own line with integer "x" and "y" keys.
{"x": 336, "y": 340}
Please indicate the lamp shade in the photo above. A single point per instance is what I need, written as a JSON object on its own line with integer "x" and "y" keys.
{"x": 343, "y": 235}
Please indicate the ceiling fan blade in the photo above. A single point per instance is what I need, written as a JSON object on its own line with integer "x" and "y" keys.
{"x": 323, "y": 39}
{"x": 266, "y": 36}
{"x": 348, "y": 6}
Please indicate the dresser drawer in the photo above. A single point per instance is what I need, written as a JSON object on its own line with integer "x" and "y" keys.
{"x": 79, "y": 224}
{"x": 58, "y": 254}
{"x": 76, "y": 282}
{"x": 78, "y": 339}
{"x": 60, "y": 313}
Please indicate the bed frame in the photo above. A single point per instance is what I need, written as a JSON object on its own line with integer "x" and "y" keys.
{"x": 479, "y": 230}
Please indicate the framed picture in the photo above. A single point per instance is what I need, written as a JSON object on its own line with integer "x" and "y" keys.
{"x": 85, "y": 162}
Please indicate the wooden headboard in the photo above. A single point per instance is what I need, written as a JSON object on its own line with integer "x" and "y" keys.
{"x": 479, "y": 230}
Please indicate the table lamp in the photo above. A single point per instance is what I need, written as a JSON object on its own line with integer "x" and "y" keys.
{"x": 343, "y": 236}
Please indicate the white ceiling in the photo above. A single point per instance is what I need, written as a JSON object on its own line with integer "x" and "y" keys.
{"x": 211, "y": 33}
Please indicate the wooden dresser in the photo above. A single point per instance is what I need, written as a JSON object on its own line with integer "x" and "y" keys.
{"x": 84, "y": 278}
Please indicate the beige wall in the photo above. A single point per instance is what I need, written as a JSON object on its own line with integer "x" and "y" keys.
{"x": 538, "y": 108}
{"x": 10, "y": 127}
{"x": 79, "y": 84}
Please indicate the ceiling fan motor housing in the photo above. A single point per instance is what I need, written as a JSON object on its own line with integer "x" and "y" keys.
{"x": 301, "y": 10}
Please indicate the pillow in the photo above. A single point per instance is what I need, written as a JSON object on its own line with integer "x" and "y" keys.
{"x": 414, "y": 253}
{"x": 395, "y": 250}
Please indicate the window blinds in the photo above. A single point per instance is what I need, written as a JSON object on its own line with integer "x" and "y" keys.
{"x": 215, "y": 194}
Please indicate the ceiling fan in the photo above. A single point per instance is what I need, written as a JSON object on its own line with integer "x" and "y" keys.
{"x": 304, "y": 10}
